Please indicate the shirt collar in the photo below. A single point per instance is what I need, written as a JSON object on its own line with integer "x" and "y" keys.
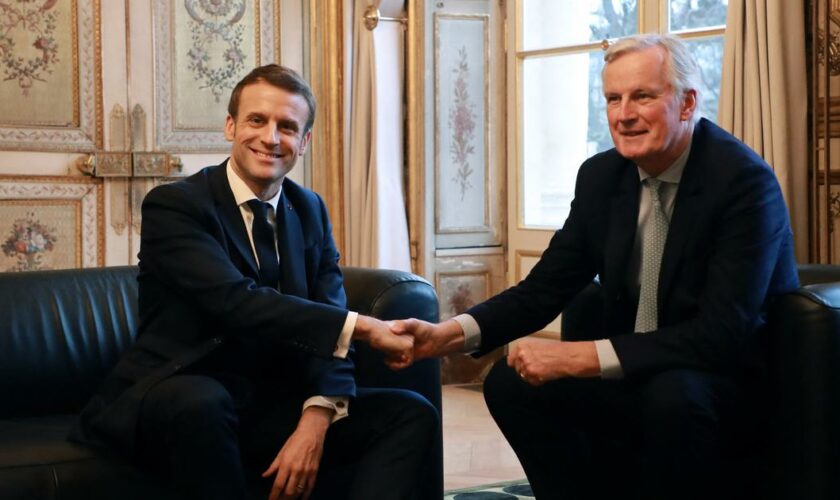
{"x": 672, "y": 174}
{"x": 242, "y": 193}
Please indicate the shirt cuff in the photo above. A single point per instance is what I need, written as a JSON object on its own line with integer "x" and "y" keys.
{"x": 472, "y": 332}
{"x": 608, "y": 359}
{"x": 339, "y": 404}
{"x": 342, "y": 347}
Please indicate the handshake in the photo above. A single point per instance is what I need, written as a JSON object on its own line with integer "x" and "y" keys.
{"x": 407, "y": 340}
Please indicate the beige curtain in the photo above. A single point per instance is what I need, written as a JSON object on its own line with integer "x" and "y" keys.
{"x": 377, "y": 226}
{"x": 763, "y": 95}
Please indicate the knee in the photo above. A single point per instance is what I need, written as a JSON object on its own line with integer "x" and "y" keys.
{"x": 677, "y": 398}
{"x": 205, "y": 403}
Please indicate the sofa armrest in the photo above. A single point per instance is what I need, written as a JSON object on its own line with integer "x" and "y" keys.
{"x": 387, "y": 294}
{"x": 805, "y": 351}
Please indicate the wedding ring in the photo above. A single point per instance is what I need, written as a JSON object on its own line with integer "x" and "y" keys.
{"x": 300, "y": 487}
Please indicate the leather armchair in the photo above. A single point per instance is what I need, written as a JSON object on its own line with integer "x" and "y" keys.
{"x": 62, "y": 331}
{"x": 801, "y": 457}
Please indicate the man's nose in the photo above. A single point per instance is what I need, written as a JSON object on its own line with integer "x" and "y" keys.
{"x": 627, "y": 110}
{"x": 270, "y": 135}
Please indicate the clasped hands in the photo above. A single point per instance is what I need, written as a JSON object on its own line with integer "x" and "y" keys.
{"x": 537, "y": 361}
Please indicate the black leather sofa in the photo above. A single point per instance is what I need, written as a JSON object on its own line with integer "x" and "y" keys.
{"x": 800, "y": 458}
{"x": 62, "y": 331}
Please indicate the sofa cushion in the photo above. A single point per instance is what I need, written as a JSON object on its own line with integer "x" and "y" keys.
{"x": 36, "y": 461}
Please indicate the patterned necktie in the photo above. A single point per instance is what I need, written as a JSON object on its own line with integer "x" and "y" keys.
{"x": 647, "y": 318}
{"x": 265, "y": 244}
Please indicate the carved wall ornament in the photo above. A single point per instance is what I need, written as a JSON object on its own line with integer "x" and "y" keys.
{"x": 34, "y": 59}
{"x": 216, "y": 56}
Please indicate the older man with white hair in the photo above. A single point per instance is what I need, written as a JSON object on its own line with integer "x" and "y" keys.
{"x": 687, "y": 230}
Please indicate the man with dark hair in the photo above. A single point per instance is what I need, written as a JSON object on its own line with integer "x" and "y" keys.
{"x": 241, "y": 364}
{"x": 688, "y": 232}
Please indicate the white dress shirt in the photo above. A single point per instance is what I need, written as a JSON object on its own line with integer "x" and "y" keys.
{"x": 243, "y": 194}
{"x": 607, "y": 358}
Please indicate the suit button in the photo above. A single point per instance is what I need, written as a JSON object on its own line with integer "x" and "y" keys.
{"x": 176, "y": 367}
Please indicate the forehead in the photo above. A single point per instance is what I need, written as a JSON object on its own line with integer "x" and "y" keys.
{"x": 264, "y": 98}
{"x": 637, "y": 69}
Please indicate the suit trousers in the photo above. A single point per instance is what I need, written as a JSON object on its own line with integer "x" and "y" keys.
{"x": 657, "y": 438}
{"x": 212, "y": 440}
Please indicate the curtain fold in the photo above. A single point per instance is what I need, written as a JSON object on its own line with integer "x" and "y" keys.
{"x": 377, "y": 224}
{"x": 764, "y": 95}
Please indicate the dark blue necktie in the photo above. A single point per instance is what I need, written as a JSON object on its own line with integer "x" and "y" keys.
{"x": 265, "y": 244}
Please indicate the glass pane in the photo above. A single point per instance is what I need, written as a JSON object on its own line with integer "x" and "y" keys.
{"x": 694, "y": 14}
{"x": 559, "y": 94}
{"x": 556, "y": 23}
{"x": 709, "y": 55}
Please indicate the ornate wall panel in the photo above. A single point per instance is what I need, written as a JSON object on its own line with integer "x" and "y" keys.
{"x": 202, "y": 48}
{"x": 462, "y": 123}
{"x": 51, "y": 223}
{"x": 463, "y": 281}
{"x": 50, "y": 75}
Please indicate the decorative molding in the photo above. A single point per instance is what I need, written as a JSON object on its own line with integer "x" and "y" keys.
{"x": 117, "y": 129}
{"x": 415, "y": 138}
{"x": 84, "y": 133}
{"x": 47, "y": 191}
{"x": 138, "y": 129}
{"x": 327, "y": 147}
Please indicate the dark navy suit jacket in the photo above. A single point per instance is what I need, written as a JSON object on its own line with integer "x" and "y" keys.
{"x": 729, "y": 250}
{"x": 198, "y": 294}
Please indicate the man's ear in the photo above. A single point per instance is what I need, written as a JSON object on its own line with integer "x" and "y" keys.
{"x": 230, "y": 128}
{"x": 689, "y": 104}
{"x": 305, "y": 142}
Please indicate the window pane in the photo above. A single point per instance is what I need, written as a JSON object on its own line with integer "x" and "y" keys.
{"x": 556, "y": 23}
{"x": 694, "y": 14}
{"x": 554, "y": 143}
{"x": 709, "y": 55}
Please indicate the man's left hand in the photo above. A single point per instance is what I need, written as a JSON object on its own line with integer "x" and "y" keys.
{"x": 296, "y": 465}
{"x": 538, "y": 361}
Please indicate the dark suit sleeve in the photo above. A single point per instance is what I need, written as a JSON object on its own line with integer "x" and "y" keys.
{"x": 565, "y": 267}
{"x": 329, "y": 376}
{"x": 746, "y": 258}
{"x": 184, "y": 247}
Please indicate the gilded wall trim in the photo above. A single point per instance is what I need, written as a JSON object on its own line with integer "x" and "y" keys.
{"x": 326, "y": 69}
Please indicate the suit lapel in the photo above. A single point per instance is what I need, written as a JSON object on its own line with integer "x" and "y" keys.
{"x": 687, "y": 207}
{"x": 291, "y": 246}
{"x": 231, "y": 216}
{"x": 624, "y": 214}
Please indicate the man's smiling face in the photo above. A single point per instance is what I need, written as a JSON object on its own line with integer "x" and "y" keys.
{"x": 649, "y": 124}
{"x": 267, "y": 135}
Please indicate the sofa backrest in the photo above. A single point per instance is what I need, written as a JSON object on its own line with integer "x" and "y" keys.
{"x": 61, "y": 332}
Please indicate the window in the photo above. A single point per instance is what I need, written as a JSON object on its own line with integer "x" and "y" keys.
{"x": 559, "y": 57}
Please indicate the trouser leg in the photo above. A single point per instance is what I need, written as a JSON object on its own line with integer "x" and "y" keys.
{"x": 187, "y": 429}
{"x": 379, "y": 451}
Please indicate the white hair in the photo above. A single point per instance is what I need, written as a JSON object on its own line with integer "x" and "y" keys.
{"x": 683, "y": 72}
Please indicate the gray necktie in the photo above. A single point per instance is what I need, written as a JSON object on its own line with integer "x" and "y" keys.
{"x": 652, "y": 247}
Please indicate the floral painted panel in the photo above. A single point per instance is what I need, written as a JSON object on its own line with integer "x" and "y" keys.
{"x": 50, "y": 79}
{"x": 41, "y": 236}
{"x": 461, "y": 125}
{"x": 202, "y": 48}
{"x": 51, "y": 223}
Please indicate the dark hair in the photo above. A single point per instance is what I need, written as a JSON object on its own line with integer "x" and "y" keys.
{"x": 280, "y": 77}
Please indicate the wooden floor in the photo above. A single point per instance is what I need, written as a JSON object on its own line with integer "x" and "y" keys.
{"x": 474, "y": 450}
